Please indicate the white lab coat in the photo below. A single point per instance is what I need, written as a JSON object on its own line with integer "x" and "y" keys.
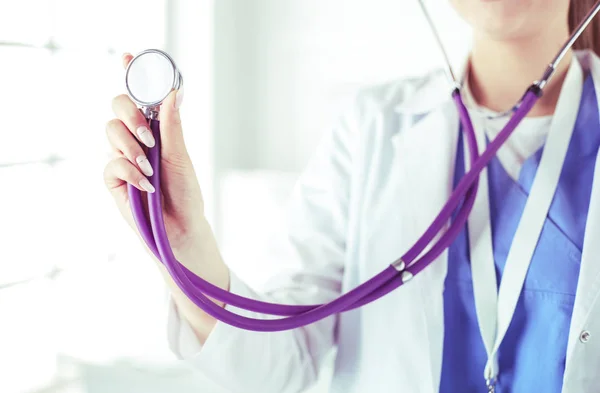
{"x": 374, "y": 185}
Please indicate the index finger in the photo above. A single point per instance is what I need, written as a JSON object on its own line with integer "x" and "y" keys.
{"x": 126, "y": 59}
{"x": 130, "y": 115}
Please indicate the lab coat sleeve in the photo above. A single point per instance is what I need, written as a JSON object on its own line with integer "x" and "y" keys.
{"x": 314, "y": 244}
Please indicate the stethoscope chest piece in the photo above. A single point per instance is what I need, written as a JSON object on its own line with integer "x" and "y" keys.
{"x": 150, "y": 77}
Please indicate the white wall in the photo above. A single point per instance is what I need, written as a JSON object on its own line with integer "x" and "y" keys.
{"x": 281, "y": 73}
{"x": 283, "y": 66}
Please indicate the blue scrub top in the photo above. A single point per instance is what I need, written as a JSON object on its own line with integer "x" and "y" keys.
{"x": 532, "y": 355}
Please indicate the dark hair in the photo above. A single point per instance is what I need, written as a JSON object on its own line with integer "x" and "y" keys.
{"x": 590, "y": 38}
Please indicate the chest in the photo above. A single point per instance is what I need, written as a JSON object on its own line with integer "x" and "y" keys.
{"x": 402, "y": 188}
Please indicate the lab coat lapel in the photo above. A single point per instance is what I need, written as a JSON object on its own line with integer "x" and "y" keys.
{"x": 426, "y": 154}
{"x": 588, "y": 288}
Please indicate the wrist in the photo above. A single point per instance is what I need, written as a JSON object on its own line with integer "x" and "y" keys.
{"x": 200, "y": 253}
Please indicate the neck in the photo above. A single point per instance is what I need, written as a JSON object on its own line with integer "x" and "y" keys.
{"x": 501, "y": 71}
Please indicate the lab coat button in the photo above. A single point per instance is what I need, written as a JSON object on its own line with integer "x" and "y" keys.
{"x": 584, "y": 336}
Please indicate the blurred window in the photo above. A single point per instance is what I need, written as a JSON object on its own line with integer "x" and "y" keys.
{"x": 59, "y": 68}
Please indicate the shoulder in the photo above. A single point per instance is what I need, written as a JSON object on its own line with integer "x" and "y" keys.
{"x": 411, "y": 96}
{"x": 376, "y": 114}
{"x": 382, "y": 110}
{"x": 407, "y": 93}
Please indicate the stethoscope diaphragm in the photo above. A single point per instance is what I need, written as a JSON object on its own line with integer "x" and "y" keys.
{"x": 150, "y": 77}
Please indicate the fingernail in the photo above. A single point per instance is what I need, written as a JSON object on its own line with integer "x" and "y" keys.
{"x": 179, "y": 98}
{"x": 144, "y": 165}
{"x": 146, "y": 136}
{"x": 145, "y": 184}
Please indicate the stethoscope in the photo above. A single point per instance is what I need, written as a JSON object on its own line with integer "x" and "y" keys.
{"x": 152, "y": 75}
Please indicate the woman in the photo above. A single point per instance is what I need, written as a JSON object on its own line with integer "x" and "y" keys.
{"x": 372, "y": 188}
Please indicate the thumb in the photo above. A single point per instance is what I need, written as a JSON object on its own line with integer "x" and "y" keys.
{"x": 171, "y": 132}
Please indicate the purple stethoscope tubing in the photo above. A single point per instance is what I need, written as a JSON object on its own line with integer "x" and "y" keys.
{"x": 152, "y": 229}
{"x": 198, "y": 290}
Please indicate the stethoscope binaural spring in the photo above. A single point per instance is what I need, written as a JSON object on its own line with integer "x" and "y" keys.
{"x": 152, "y": 75}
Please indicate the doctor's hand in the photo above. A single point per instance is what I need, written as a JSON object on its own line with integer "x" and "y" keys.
{"x": 188, "y": 231}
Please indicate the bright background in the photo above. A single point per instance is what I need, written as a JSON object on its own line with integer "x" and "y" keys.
{"x": 81, "y": 305}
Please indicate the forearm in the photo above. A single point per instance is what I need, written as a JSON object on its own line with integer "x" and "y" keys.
{"x": 203, "y": 258}
{"x": 201, "y": 323}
